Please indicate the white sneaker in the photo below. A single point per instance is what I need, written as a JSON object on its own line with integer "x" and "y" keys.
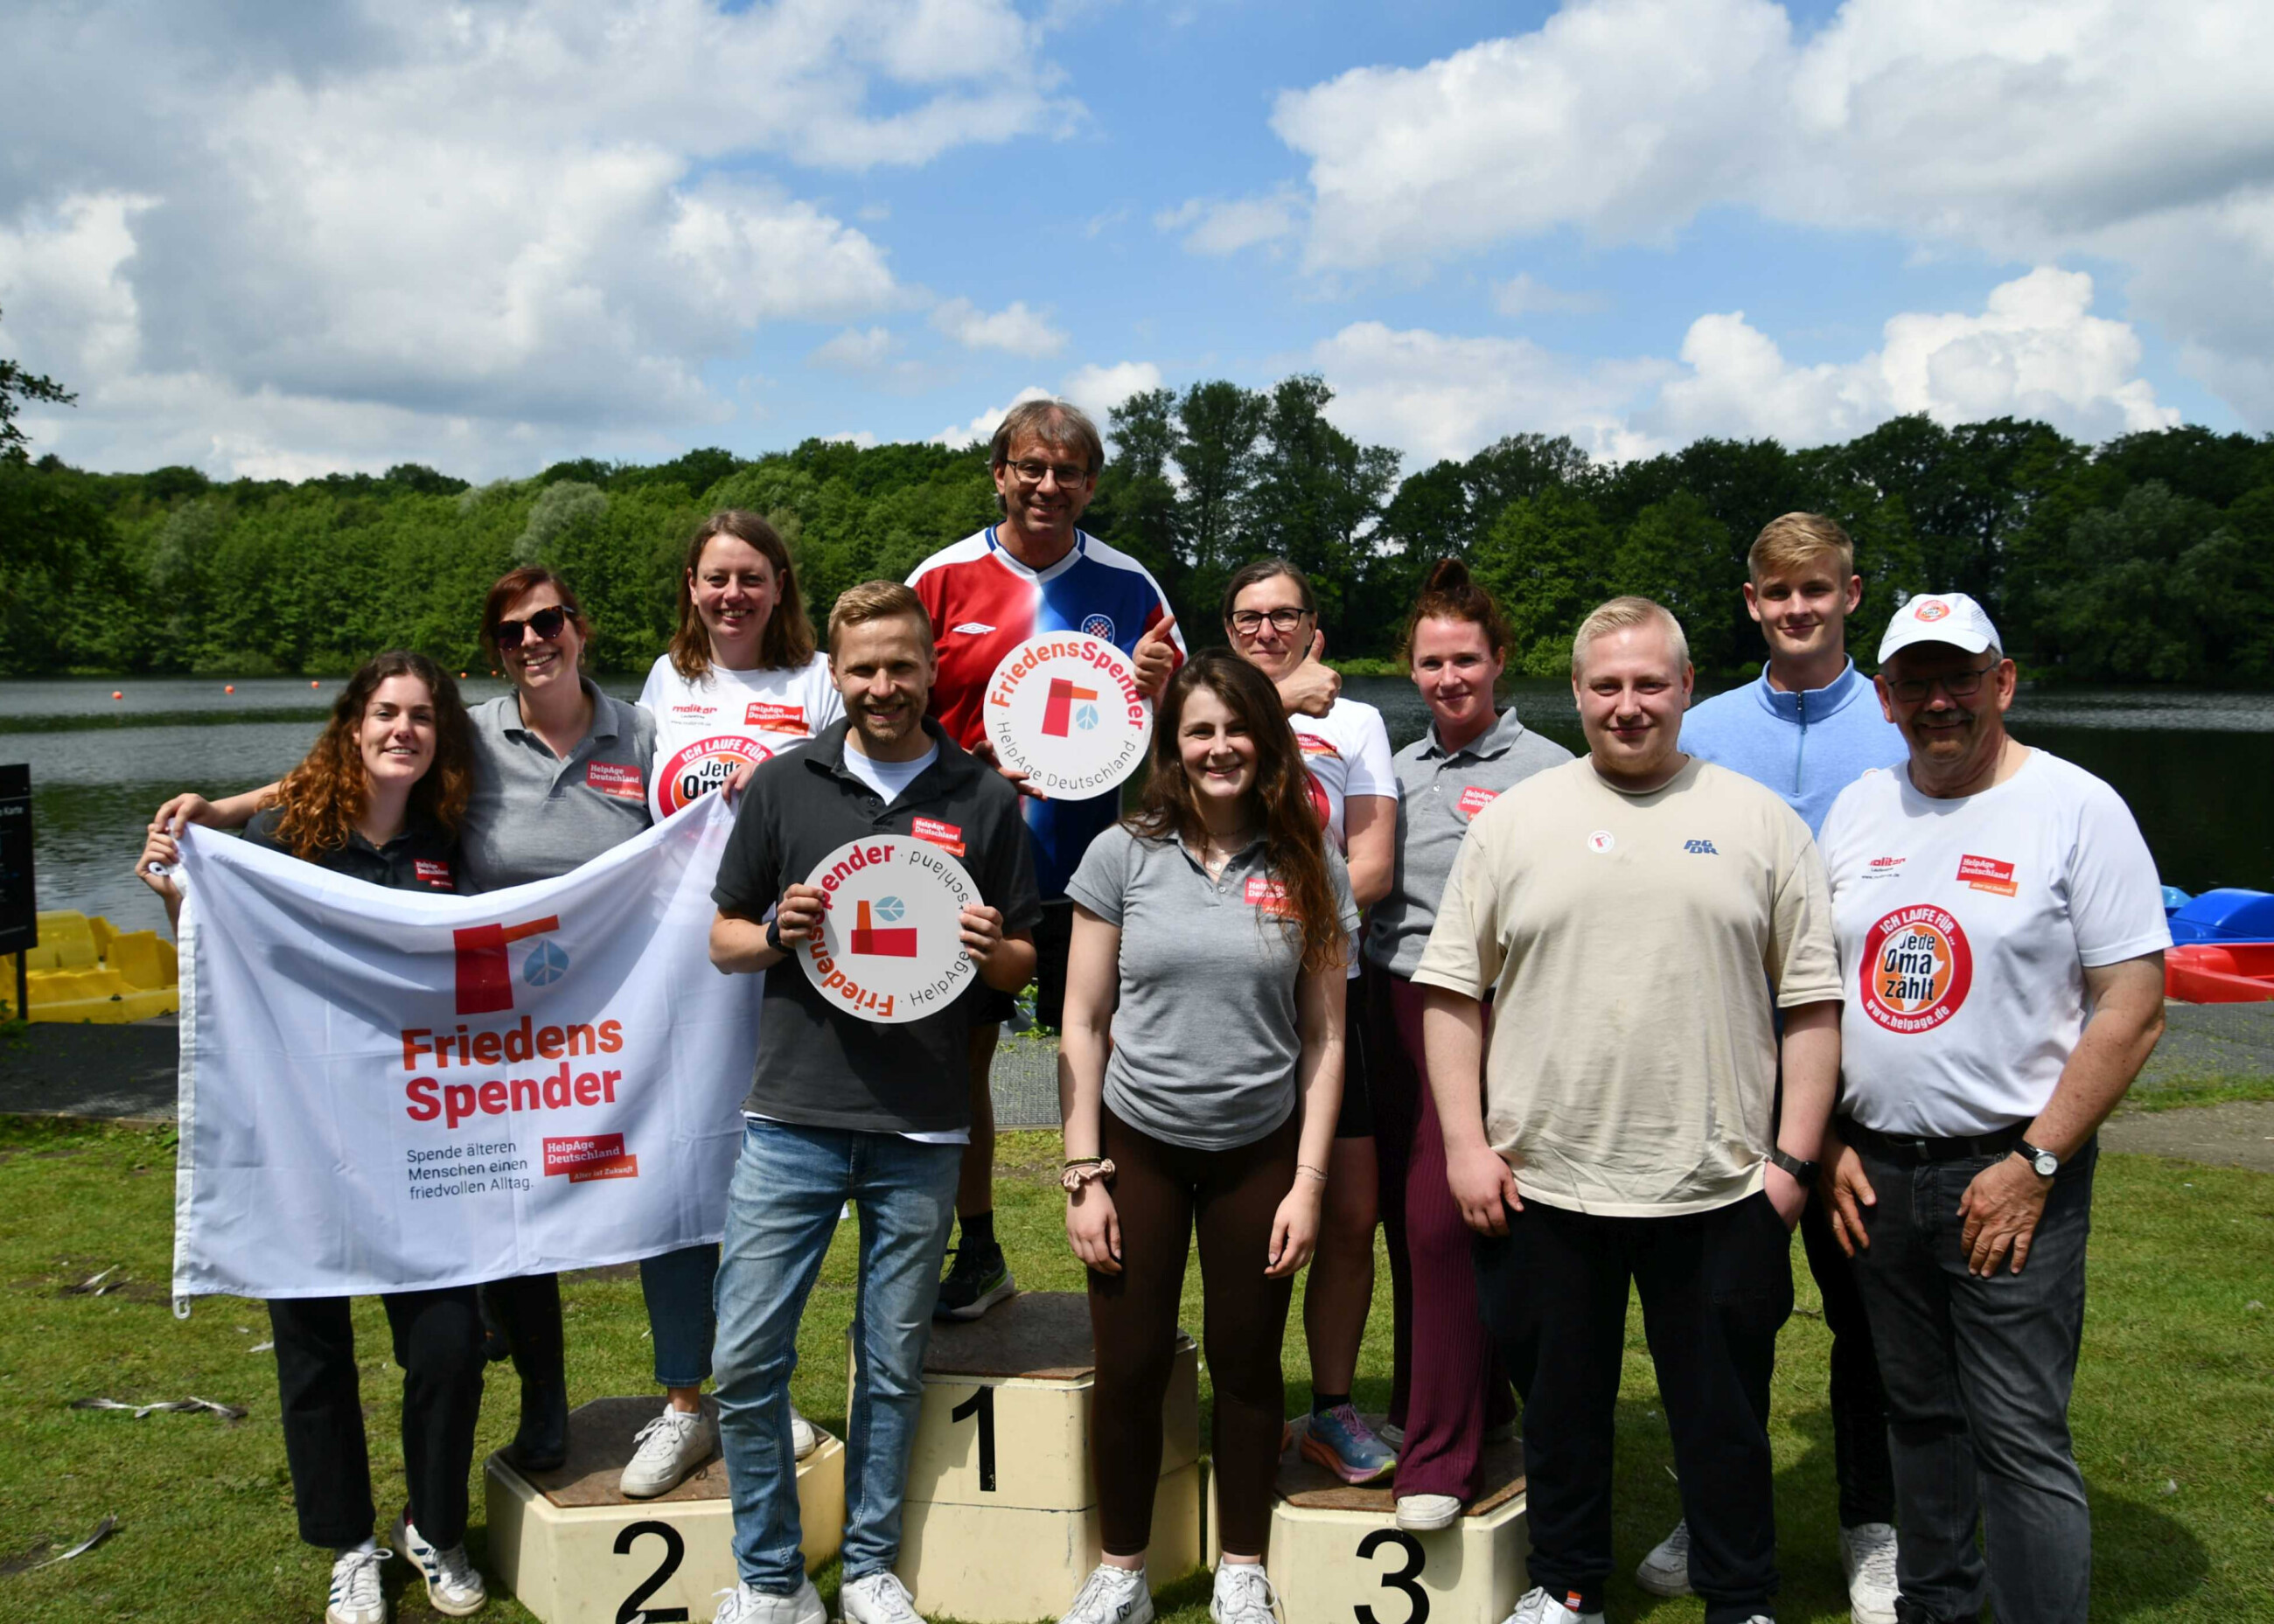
{"x": 1111, "y": 1595}
{"x": 454, "y": 1586}
{"x": 1868, "y": 1552}
{"x": 1539, "y": 1607}
{"x": 745, "y": 1605}
{"x": 878, "y": 1598}
{"x": 1391, "y": 1434}
{"x": 670, "y": 1447}
{"x": 1666, "y": 1570}
{"x": 1243, "y": 1594}
{"x": 1422, "y": 1512}
{"x": 356, "y": 1597}
{"x": 804, "y": 1437}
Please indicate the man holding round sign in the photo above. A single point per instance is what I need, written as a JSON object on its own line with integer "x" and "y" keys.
{"x": 894, "y": 869}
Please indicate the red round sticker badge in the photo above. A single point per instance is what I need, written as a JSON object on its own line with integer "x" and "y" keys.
{"x": 1916, "y": 969}
{"x": 703, "y": 766}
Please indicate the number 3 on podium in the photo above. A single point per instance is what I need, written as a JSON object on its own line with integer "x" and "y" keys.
{"x": 1404, "y": 1579}
{"x": 674, "y": 1550}
{"x": 982, "y": 1404}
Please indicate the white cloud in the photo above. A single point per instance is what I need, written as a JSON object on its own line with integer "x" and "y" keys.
{"x": 2033, "y": 350}
{"x": 2033, "y": 130}
{"x": 509, "y": 231}
{"x": 1522, "y": 296}
{"x": 862, "y": 438}
{"x": 1216, "y": 227}
{"x": 856, "y": 350}
{"x": 981, "y": 429}
{"x": 1014, "y": 328}
{"x": 1097, "y": 390}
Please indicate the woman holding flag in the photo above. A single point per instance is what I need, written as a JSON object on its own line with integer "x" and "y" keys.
{"x": 382, "y": 797}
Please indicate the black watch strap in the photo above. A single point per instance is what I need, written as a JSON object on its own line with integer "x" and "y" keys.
{"x": 1802, "y": 1172}
{"x": 2044, "y": 1163}
{"x": 774, "y": 936}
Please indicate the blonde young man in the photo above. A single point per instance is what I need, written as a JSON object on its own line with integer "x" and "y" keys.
{"x": 1809, "y": 727}
{"x": 1620, "y": 911}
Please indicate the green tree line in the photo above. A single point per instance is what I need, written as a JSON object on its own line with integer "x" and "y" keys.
{"x": 2149, "y": 558}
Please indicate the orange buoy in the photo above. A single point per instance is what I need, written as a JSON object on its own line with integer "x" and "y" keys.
{"x": 315, "y": 685}
{"x": 116, "y": 693}
{"x": 229, "y": 687}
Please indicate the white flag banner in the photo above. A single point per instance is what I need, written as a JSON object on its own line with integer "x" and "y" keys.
{"x": 385, "y": 1090}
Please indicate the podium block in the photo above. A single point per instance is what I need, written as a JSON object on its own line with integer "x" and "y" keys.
{"x": 574, "y": 1550}
{"x": 1336, "y": 1548}
{"x": 1000, "y": 1522}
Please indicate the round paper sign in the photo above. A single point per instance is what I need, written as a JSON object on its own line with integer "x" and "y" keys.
{"x": 703, "y": 766}
{"x": 890, "y": 944}
{"x": 1066, "y": 710}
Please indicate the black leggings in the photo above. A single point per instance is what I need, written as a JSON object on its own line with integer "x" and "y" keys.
{"x": 1160, "y": 1191}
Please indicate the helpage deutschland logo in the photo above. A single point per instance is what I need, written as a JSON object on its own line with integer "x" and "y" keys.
{"x": 1916, "y": 969}
{"x": 891, "y": 947}
{"x": 1066, "y": 711}
{"x": 703, "y": 766}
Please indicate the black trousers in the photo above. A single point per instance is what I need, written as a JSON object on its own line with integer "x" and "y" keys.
{"x": 1716, "y": 1287}
{"x": 1859, "y": 1398}
{"x": 438, "y": 1342}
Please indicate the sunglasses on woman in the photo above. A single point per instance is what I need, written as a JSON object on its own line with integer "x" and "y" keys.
{"x": 545, "y": 625}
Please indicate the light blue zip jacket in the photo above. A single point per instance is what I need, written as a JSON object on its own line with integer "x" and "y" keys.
{"x": 1807, "y": 747}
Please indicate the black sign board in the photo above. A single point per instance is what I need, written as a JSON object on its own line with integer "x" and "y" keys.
{"x": 19, "y": 927}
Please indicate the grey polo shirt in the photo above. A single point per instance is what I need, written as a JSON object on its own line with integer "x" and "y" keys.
{"x": 1205, "y": 1033}
{"x": 820, "y": 1065}
{"x": 534, "y": 815}
{"x": 1438, "y": 791}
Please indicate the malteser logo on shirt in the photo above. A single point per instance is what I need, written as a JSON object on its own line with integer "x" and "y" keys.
{"x": 1916, "y": 969}
{"x": 1987, "y": 874}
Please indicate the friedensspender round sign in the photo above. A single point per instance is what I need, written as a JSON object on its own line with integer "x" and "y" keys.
{"x": 703, "y": 766}
{"x": 1066, "y": 710}
{"x": 891, "y": 944}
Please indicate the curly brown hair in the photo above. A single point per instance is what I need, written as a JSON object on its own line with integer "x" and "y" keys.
{"x": 1294, "y": 846}
{"x": 787, "y": 643}
{"x": 323, "y": 797}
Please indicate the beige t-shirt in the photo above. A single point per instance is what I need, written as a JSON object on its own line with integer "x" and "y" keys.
{"x": 1633, "y": 945}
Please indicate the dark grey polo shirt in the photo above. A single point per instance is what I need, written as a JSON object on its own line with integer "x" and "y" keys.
{"x": 1206, "y": 1036}
{"x": 1438, "y": 794}
{"x": 421, "y": 858}
{"x": 534, "y": 816}
{"x": 818, "y": 1065}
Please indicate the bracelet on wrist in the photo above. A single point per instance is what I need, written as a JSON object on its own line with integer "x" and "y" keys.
{"x": 1318, "y": 1173}
{"x": 1084, "y": 1171}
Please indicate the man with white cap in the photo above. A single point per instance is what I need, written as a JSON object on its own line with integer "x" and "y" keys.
{"x": 2001, "y": 934}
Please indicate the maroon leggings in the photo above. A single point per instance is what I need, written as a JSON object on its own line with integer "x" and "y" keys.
{"x": 1447, "y": 1383}
{"x": 1162, "y": 1192}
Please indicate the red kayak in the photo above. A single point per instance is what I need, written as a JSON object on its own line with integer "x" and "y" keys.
{"x": 2219, "y": 973}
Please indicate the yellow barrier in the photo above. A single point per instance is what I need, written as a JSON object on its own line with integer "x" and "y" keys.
{"x": 84, "y": 970}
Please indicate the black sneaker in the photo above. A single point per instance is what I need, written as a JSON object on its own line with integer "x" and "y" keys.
{"x": 978, "y": 1279}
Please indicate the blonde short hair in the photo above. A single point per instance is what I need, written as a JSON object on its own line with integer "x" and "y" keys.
{"x": 875, "y": 600}
{"x": 1621, "y": 614}
{"x": 1788, "y": 542}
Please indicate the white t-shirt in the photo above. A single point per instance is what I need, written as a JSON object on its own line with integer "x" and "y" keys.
{"x": 704, "y": 730}
{"x": 1347, "y": 751}
{"x": 1965, "y": 930}
{"x": 888, "y": 778}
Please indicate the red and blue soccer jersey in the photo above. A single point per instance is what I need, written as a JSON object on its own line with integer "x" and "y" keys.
{"x": 983, "y": 603}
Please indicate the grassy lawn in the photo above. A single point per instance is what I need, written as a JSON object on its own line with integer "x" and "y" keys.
{"x": 2172, "y": 1412}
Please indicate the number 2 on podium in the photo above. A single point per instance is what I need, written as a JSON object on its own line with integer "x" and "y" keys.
{"x": 1402, "y": 1579}
{"x": 675, "y": 1552}
{"x": 982, "y": 1404}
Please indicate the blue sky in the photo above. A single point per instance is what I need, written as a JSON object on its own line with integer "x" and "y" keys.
{"x": 493, "y": 236}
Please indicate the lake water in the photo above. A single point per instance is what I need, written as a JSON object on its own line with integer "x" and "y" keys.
{"x": 2198, "y": 768}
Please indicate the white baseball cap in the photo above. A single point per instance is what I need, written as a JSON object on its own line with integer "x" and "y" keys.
{"x": 1939, "y": 617}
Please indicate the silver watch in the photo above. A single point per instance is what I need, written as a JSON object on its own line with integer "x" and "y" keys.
{"x": 2044, "y": 1163}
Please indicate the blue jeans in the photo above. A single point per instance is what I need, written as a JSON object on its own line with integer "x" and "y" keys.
{"x": 1979, "y": 1374}
{"x": 789, "y": 1185}
{"x": 681, "y": 1312}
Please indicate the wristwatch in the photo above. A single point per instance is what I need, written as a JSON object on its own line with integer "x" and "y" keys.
{"x": 1803, "y": 1172}
{"x": 774, "y": 936}
{"x": 2044, "y": 1163}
